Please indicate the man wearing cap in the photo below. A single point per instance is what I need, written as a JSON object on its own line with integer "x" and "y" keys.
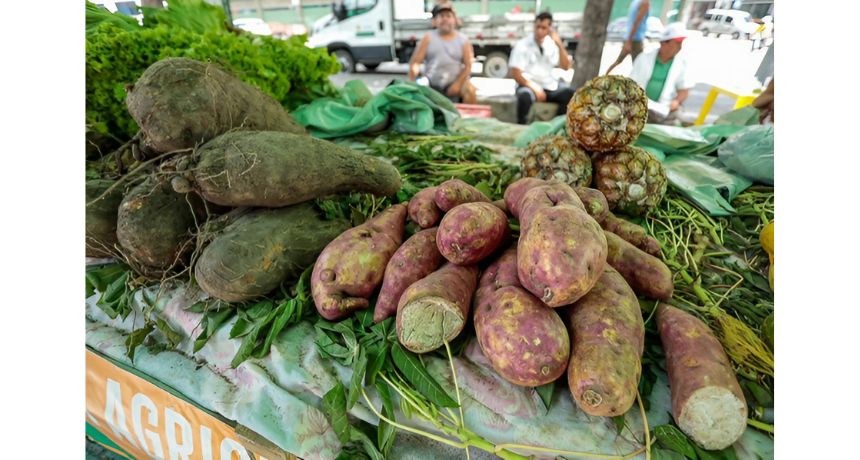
{"x": 448, "y": 55}
{"x": 531, "y": 63}
{"x": 662, "y": 72}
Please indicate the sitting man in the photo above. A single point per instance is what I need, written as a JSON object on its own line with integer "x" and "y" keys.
{"x": 532, "y": 61}
{"x": 663, "y": 75}
{"x": 448, "y": 56}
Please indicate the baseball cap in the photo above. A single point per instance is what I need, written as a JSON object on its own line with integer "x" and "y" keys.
{"x": 442, "y": 7}
{"x": 675, "y": 31}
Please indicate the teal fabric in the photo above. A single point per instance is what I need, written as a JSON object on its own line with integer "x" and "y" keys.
{"x": 403, "y": 107}
{"x": 706, "y": 182}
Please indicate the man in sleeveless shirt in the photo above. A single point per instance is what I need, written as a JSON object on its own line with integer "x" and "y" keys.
{"x": 532, "y": 61}
{"x": 447, "y": 55}
{"x": 637, "y": 25}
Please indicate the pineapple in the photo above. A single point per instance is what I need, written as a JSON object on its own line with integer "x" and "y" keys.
{"x": 607, "y": 113}
{"x": 557, "y": 157}
{"x": 632, "y": 179}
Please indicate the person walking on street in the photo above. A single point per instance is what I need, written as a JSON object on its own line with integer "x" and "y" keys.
{"x": 448, "y": 55}
{"x": 662, "y": 73}
{"x": 532, "y": 60}
{"x": 637, "y": 25}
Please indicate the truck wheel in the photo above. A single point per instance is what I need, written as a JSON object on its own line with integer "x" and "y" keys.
{"x": 704, "y": 32}
{"x": 736, "y": 35}
{"x": 496, "y": 65}
{"x": 347, "y": 63}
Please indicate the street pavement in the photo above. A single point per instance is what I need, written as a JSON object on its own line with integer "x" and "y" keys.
{"x": 723, "y": 62}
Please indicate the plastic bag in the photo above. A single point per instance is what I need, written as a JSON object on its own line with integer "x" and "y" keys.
{"x": 556, "y": 126}
{"x": 695, "y": 140}
{"x": 706, "y": 181}
{"x": 744, "y": 116}
{"x": 750, "y": 153}
{"x": 402, "y": 106}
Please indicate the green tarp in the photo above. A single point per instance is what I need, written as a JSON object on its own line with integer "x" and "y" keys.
{"x": 403, "y": 107}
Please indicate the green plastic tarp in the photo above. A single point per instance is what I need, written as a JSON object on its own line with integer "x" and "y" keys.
{"x": 705, "y": 181}
{"x": 402, "y": 107}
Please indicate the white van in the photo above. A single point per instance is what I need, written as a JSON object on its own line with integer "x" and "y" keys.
{"x": 736, "y": 23}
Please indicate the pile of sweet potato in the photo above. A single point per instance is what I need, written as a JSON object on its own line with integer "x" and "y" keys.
{"x": 559, "y": 296}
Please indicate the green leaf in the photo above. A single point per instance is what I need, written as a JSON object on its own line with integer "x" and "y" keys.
{"x": 760, "y": 282}
{"x": 673, "y": 439}
{"x": 328, "y": 347}
{"x": 259, "y": 310}
{"x": 285, "y": 315}
{"x": 369, "y": 447}
{"x": 386, "y": 432}
{"x": 377, "y": 354}
{"x": 241, "y": 328}
{"x": 334, "y": 408}
{"x": 136, "y": 338}
{"x": 173, "y": 337}
{"x": 545, "y": 392}
{"x": 115, "y": 289}
{"x": 247, "y": 347}
{"x": 417, "y": 375}
{"x": 663, "y": 454}
{"x": 726, "y": 454}
{"x": 759, "y": 393}
{"x": 619, "y": 423}
{"x": 359, "y": 367}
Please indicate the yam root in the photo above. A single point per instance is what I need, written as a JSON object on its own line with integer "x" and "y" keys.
{"x": 608, "y": 339}
{"x": 101, "y": 218}
{"x": 434, "y": 310}
{"x": 351, "y": 267}
{"x": 180, "y": 103}
{"x": 515, "y": 191}
{"x": 154, "y": 224}
{"x": 275, "y": 169}
{"x": 260, "y": 250}
{"x": 707, "y": 402}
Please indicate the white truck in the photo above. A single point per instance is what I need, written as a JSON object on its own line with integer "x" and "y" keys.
{"x": 371, "y": 32}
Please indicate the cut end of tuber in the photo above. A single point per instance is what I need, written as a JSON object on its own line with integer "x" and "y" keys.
{"x": 713, "y": 417}
{"x": 429, "y": 322}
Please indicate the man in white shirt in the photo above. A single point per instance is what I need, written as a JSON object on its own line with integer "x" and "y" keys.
{"x": 662, "y": 73}
{"x": 531, "y": 63}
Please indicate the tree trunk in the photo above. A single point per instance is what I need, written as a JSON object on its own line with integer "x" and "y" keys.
{"x": 589, "y": 51}
{"x": 152, "y": 3}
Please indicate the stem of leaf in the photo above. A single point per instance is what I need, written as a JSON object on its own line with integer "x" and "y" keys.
{"x": 760, "y": 425}
{"x": 408, "y": 428}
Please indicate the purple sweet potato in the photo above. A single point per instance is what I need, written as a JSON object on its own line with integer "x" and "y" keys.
{"x": 608, "y": 338}
{"x": 553, "y": 193}
{"x": 525, "y": 341}
{"x": 515, "y": 191}
{"x": 595, "y": 203}
{"x": 471, "y": 232}
{"x": 560, "y": 254}
{"x": 707, "y": 402}
{"x": 632, "y": 233}
{"x": 455, "y": 192}
{"x": 417, "y": 258}
{"x": 646, "y": 274}
{"x": 423, "y": 210}
{"x": 501, "y": 205}
{"x": 351, "y": 267}
{"x": 434, "y": 310}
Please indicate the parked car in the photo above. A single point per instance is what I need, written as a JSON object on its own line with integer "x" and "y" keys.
{"x": 253, "y": 25}
{"x": 128, "y": 8}
{"x": 736, "y": 23}
{"x": 617, "y": 29}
